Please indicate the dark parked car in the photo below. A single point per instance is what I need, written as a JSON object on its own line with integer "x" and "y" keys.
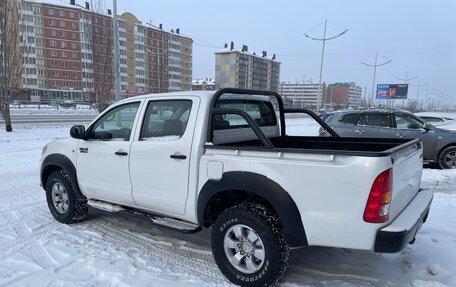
{"x": 439, "y": 144}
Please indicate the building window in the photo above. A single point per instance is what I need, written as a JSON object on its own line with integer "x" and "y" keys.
{"x": 53, "y": 63}
{"x": 55, "y": 73}
{"x": 74, "y": 55}
{"x": 75, "y": 65}
{"x": 65, "y": 74}
{"x": 62, "y": 33}
{"x": 64, "y": 64}
{"x": 64, "y": 54}
{"x": 62, "y": 13}
{"x": 62, "y": 44}
{"x": 75, "y": 75}
{"x": 53, "y": 32}
{"x": 54, "y": 83}
{"x": 53, "y": 53}
{"x": 52, "y": 22}
{"x": 71, "y": 14}
{"x": 62, "y": 23}
{"x": 51, "y": 11}
{"x": 73, "y": 45}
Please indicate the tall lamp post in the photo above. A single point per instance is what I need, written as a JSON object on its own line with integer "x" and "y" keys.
{"x": 405, "y": 79}
{"x": 324, "y": 39}
{"x": 375, "y": 65}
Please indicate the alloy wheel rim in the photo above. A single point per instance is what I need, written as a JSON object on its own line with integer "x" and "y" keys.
{"x": 60, "y": 198}
{"x": 244, "y": 249}
{"x": 450, "y": 159}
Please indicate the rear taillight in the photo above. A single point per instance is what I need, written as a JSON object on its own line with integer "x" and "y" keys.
{"x": 378, "y": 203}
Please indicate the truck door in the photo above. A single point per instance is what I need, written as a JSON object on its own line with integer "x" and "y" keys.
{"x": 160, "y": 157}
{"x": 102, "y": 159}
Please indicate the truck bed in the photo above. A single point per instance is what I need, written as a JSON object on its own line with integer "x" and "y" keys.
{"x": 329, "y": 145}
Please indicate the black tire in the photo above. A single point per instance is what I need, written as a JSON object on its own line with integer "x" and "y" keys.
{"x": 447, "y": 158}
{"x": 266, "y": 225}
{"x": 75, "y": 210}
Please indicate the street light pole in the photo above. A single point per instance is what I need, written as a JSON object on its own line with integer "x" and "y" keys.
{"x": 324, "y": 39}
{"x": 405, "y": 82}
{"x": 375, "y": 65}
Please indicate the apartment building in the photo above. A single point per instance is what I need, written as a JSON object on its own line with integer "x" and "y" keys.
{"x": 69, "y": 54}
{"x": 241, "y": 69}
{"x": 343, "y": 95}
{"x": 301, "y": 95}
{"x": 207, "y": 84}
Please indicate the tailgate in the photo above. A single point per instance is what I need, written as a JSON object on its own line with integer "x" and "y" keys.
{"x": 407, "y": 169}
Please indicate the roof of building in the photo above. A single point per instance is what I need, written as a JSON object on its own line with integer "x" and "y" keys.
{"x": 203, "y": 81}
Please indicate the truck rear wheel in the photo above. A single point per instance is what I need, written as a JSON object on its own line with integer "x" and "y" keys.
{"x": 249, "y": 246}
{"x": 62, "y": 200}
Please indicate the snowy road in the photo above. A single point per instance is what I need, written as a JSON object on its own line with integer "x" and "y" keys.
{"x": 112, "y": 250}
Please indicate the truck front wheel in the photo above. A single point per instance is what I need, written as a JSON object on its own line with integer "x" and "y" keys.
{"x": 249, "y": 246}
{"x": 62, "y": 200}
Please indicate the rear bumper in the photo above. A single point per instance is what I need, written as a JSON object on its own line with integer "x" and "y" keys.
{"x": 402, "y": 231}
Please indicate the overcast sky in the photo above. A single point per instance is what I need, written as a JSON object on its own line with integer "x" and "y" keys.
{"x": 418, "y": 36}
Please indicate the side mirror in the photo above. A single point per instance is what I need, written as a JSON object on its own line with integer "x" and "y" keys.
{"x": 77, "y": 132}
{"x": 426, "y": 128}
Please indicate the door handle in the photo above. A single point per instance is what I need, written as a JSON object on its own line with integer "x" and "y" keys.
{"x": 400, "y": 135}
{"x": 121, "y": 153}
{"x": 359, "y": 132}
{"x": 178, "y": 156}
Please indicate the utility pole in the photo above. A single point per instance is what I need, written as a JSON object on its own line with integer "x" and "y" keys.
{"x": 418, "y": 92}
{"x": 324, "y": 39}
{"x": 375, "y": 65}
{"x": 405, "y": 79}
{"x": 116, "y": 51}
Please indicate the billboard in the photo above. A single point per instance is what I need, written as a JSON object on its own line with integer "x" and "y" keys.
{"x": 391, "y": 91}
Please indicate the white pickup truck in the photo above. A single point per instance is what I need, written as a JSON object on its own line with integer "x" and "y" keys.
{"x": 189, "y": 160}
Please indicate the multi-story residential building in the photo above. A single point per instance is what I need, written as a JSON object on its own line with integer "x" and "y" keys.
{"x": 301, "y": 95}
{"x": 203, "y": 85}
{"x": 157, "y": 61}
{"x": 69, "y": 54}
{"x": 343, "y": 95}
{"x": 240, "y": 69}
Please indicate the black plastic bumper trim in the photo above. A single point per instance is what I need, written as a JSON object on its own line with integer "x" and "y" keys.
{"x": 391, "y": 242}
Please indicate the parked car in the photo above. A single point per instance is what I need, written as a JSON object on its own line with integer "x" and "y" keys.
{"x": 441, "y": 120}
{"x": 195, "y": 159}
{"x": 439, "y": 144}
{"x": 68, "y": 104}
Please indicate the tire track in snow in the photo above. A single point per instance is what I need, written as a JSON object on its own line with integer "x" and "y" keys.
{"x": 187, "y": 258}
{"x": 327, "y": 276}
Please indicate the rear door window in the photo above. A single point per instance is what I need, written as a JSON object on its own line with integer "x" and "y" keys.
{"x": 375, "y": 120}
{"x": 349, "y": 118}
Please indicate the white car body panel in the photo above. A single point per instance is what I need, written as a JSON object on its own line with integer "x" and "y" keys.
{"x": 331, "y": 210}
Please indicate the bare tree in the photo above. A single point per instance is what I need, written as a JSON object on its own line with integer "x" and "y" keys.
{"x": 102, "y": 42}
{"x": 98, "y": 38}
{"x": 12, "y": 62}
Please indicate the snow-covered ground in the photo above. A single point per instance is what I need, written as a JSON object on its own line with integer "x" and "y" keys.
{"x": 112, "y": 250}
